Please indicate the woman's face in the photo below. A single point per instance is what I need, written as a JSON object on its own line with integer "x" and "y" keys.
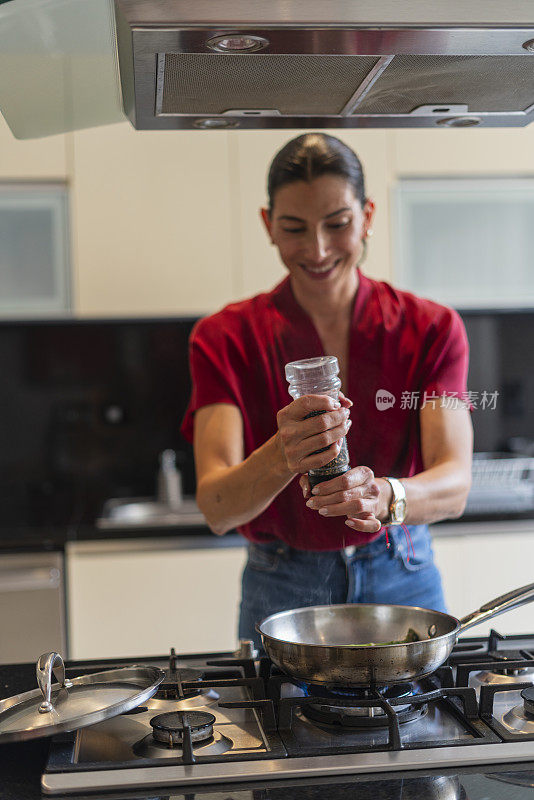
{"x": 318, "y": 228}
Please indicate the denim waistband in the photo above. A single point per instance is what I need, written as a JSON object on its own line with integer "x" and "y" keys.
{"x": 396, "y": 536}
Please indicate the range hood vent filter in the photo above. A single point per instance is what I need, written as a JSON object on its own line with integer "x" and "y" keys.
{"x": 194, "y": 83}
{"x": 484, "y": 83}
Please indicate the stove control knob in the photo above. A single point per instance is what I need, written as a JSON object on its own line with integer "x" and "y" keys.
{"x": 246, "y": 649}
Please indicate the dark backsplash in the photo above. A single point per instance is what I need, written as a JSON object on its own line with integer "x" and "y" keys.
{"x": 502, "y": 358}
{"x": 87, "y": 406}
{"x": 86, "y": 409}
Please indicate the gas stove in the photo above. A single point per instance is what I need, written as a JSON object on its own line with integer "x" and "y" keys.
{"x": 224, "y": 718}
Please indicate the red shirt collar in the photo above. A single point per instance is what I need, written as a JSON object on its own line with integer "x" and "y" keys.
{"x": 286, "y": 302}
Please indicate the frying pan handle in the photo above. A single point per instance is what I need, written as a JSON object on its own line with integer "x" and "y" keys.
{"x": 506, "y": 602}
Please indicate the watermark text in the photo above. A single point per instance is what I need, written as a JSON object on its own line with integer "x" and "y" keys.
{"x": 410, "y": 401}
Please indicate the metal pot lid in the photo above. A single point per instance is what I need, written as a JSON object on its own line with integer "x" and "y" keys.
{"x": 76, "y": 702}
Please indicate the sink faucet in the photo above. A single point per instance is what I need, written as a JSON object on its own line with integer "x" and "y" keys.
{"x": 169, "y": 481}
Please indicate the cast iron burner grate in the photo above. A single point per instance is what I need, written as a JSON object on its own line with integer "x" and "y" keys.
{"x": 505, "y": 670}
{"x": 517, "y": 722}
{"x": 172, "y": 687}
{"x": 504, "y": 658}
{"x": 352, "y": 714}
{"x": 169, "y": 728}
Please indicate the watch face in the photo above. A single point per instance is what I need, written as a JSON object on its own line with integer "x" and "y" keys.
{"x": 399, "y": 510}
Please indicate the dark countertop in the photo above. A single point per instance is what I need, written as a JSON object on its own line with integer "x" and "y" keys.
{"x": 21, "y": 766}
{"x": 20, "y": 539}
{"x": 48, "y": 538}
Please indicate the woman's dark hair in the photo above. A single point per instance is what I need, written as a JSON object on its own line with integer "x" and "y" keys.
{"x": 311, "y": 155}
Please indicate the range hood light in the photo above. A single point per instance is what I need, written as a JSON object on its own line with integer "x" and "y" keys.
{"x": 529, "y": 45}
{"x": 212, "y": 123}
{"x": 460, "y": 122}
{"x": 234, "y": 43}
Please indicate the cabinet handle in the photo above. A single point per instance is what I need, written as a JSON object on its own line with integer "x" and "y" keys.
{"x": 32, "y": 579}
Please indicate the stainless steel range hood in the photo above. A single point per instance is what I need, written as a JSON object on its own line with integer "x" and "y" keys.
{"x": 189, "y": 64}
{"x": 303, "y": 63}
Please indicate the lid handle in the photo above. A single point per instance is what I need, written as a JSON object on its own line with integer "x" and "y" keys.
{"x": 47, "y": 664}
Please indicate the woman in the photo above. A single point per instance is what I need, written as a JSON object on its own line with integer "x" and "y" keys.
{"x": 253, "y": 448}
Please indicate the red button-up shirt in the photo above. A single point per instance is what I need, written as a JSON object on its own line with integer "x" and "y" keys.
{"x": 401, "y": 347}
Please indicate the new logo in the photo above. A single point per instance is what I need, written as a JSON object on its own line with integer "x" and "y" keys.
{"x": 384, "y": 399}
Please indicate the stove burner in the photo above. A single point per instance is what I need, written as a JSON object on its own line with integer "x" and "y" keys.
{"x": 506, "y": 667}
{"x": 511, "y": 672}
{"x": 172, "y": 686}
{"x": 509, "y": 655}
{"x": 168, "y": 728}
{"x": 352, "y": 715}
{"x": 213, "y": 747}
{"x": 520, "y": 719}
{"x": 487, "y": 678}
{"x": 528, "y": 700}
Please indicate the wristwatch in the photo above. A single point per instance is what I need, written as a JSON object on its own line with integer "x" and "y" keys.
{"x": 397, "y": 507}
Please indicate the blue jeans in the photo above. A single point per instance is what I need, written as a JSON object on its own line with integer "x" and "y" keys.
{"x": 278, "y": 577}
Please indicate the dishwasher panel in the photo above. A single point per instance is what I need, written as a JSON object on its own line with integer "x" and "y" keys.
{"x": 32, "y": 606}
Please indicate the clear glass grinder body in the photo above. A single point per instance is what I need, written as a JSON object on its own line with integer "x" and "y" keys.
{"x": 319, "y": 376}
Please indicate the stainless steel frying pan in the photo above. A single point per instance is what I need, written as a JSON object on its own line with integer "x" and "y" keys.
{"x": 328, "y": 645}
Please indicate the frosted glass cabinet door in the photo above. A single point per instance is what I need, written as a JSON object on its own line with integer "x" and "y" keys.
{"x": 34, "y": 263}
{"x": 466, "y": 242}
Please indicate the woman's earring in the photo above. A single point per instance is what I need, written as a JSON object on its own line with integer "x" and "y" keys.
{"x": 369, "y": 232}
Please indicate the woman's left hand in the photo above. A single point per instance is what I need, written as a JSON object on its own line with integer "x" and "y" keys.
{"x": 354, "y": 495}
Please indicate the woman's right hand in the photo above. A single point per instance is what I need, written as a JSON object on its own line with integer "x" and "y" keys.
{"x": 301, "y": 435}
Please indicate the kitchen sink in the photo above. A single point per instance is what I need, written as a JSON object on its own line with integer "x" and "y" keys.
{"x": 141, "y": 512}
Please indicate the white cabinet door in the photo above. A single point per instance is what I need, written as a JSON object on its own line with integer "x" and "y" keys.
{"x": 435, "y": 217}
{"x": 137, "y": 598}
{"x": 477, "y": 567}
{"x": 152, "y": 222}
{"x": 34, "y": 250}
{"x": 489, "y": 151}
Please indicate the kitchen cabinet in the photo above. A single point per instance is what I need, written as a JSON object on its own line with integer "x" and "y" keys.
{"x": 141, "y": 596}
{"x": 152, "y": 222}
{"x": 34, "y": 249}
{"x": 480, "y": 561}
{"x": 461, "y": 207}
{"x": 167, "y": 222}
{"x": 490, "y": 151}
{"x": 32, "y": 605}
{"x": 35, "y": 159}
{"x": 438, "y": 217}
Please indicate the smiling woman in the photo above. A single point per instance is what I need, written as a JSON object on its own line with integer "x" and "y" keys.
{"x": 251, "y": 444}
